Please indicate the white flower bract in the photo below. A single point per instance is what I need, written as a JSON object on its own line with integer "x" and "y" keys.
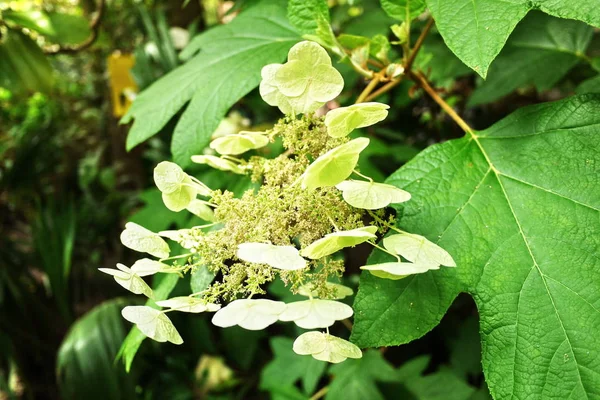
{"x": 338, "y": 291}
{"x": 334, "y": 166}
{"x": 281, "y": 257}
{"x": 343, "y": 120}
{"x": 325, "y": 347}
{"x": 140, "y": 239}
{"x": 315, "y": 313}
{"x": 336, "y": 241}
{"x": 371, "y": 195}
{"x": 251, "y": 314}
{"x": 418, "y": 249}
{"x": 129, "y": 280}
{"x": 152, "y": 323}
{"x": 397, "y": 270}
{"x": 189, "y": 304}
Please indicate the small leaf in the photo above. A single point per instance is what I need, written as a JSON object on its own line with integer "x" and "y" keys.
{"x": 334, "y": 166}
{"x": 129, "y": 280}
{"x": 397, "y": 270}
{"x": 140, "y": 239}
{"x": 281, "y": 257}
{"x": 218, "y": 163}
{"x": 152, "y": 323}
{"x": 418, "y": 249}
{"x": 339, "y": 291}
{"x": 303, "y": 14}
{"x": 336, "y": 241}
{"x": 343, "y": 120}
{"x": 188, "y": 304}
{"x": 403, "y": 9}
{"x": 249, "y": 314}
{"x": 315, "y": 313}
{"x": 325, "y": 347}
{"x": 371, "y": 195}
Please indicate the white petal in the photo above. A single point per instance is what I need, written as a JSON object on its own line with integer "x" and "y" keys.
{"x": 201, "y": 210}
{"x": 146, "y": 266}
{"x": 334, "y": 166}
{"x": 316, "y": 313}
{"x": 310, "y": 343}
{"x": 188, "y": 304}
{"x": 249, "y": 314}
{"x": 371, "y": 195}
{"x": 168, "y": 177}
{"x": 152, "y": 323}
{"x": 343, "y": 120}
{"x": 397, "y": 270}
{"x": 141, "y": 239}
{"x": 418, "y": 249}
{"x": 282, "y": 257}
{"x": 336, "y": 241}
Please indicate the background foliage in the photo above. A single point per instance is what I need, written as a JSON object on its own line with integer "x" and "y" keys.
{"x": 511, "y": 193}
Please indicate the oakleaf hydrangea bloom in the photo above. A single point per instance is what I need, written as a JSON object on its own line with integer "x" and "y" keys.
{"x": 287, "y": 226}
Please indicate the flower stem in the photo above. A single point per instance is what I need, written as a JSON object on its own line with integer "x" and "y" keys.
{"x": 420, "y": 79}
{"x": 368, "y": 89}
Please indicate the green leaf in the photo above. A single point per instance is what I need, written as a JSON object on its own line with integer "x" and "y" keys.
{"x": 476, "y": 31}
{"x": 35, "y": 20}
{"x": 154, "y": 215}
{"x": 303, "y": 14}
{"x": 201, "y": 279}
{"x": 355, "y": 379}
{"x": 85, "y": 367}
{"x": 131, "y": 344}
{"x": 442, "y": 385}
{"x": 23, "y": 65}
{"x": 226, "y": 69}
{"x": 441, "y": 65}
{"x": 69, "y": 29}
{"x": 540, "y": 51}
{"x": 287, "y": 368}
{"x": 517, "y": 207}
{"x": 591, "y": 85}
{"x": 400, "y": 9}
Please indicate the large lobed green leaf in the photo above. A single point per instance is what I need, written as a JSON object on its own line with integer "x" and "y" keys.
{"x": 476, "y": 30}
{"x": 226, "y": 68}
{"x": 540, "y": 51}
{"x": 517, "y": 206}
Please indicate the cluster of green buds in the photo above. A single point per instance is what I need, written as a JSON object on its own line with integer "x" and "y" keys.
{"x": 306, "y": 210}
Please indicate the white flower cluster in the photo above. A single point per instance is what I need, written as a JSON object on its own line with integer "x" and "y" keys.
{"x": 301, "y": 85}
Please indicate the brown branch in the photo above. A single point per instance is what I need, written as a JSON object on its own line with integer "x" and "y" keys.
{"x": 418, "y": 44}
{"x": 420, "y": 79}
{"x": 94, "y": 27}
